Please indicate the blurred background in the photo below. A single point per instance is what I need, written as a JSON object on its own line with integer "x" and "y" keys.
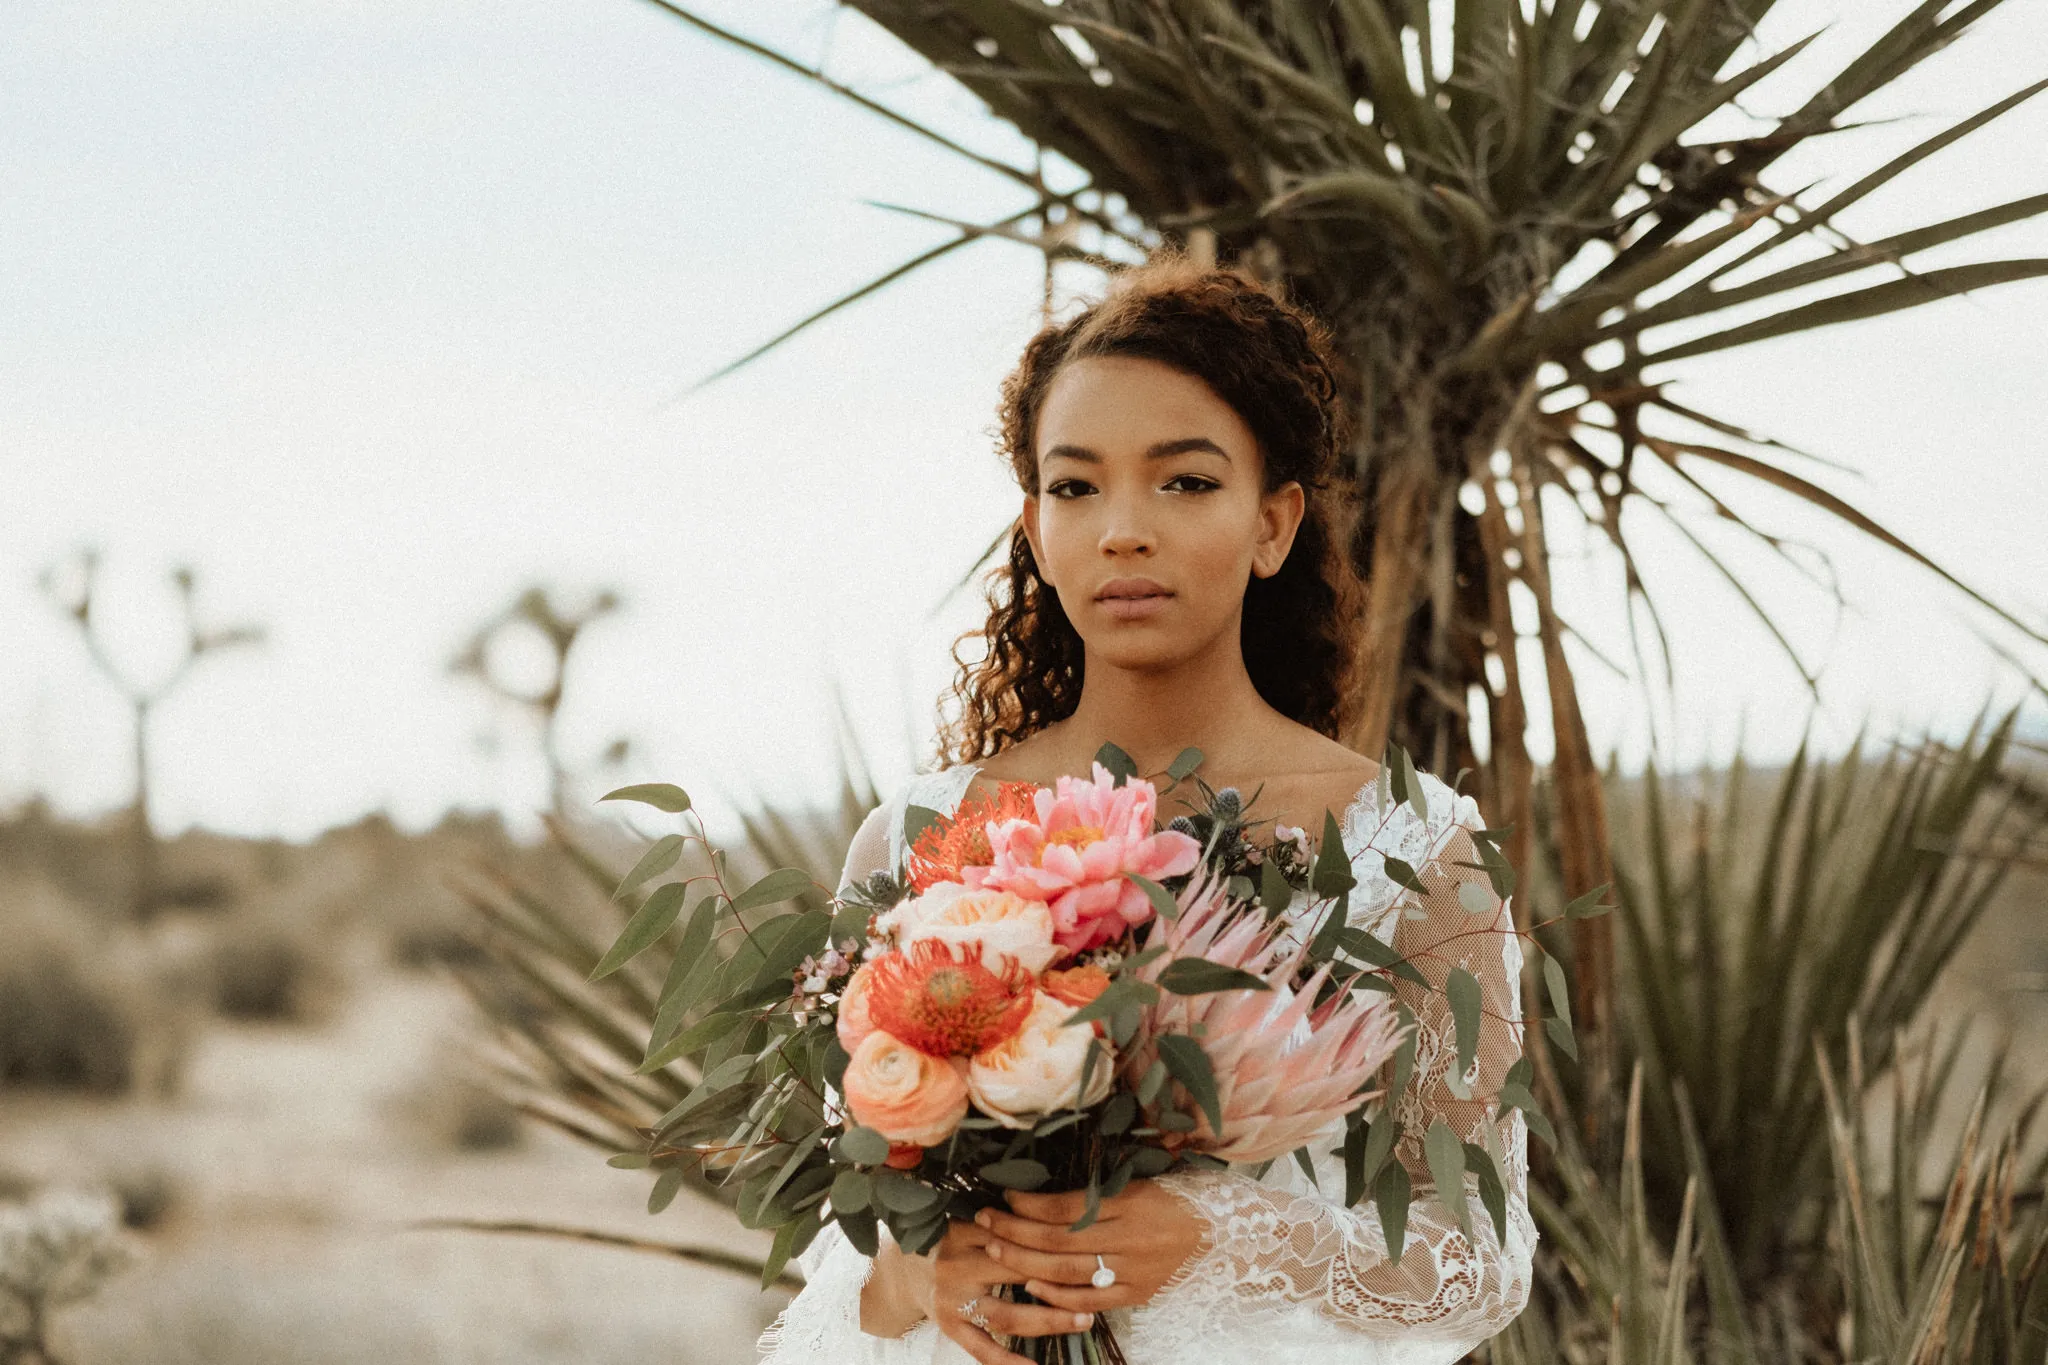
{"x": 366, "y": 516}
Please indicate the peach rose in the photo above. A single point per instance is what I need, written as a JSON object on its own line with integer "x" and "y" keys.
{"x": 903, "y": 1094}
{"x": 1039, "y": 1069}
{"x": 1004, "y": 924}
{"x": 1076, "y": 986}
{"x": 854, "y": 1024}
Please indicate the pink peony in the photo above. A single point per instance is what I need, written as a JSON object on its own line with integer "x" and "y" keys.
{"x": 1076, "y": 856}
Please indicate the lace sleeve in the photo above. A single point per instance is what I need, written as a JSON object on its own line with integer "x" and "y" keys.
{"x": 1284, "y": 1242}
{"x": 822, "y": 1323}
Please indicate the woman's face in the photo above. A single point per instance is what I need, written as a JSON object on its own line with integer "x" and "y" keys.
{"x": 1151, "y": 514}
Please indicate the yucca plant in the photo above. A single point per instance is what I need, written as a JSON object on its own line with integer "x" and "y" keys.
{"x": 1748, "y": 933}
{"x": 570, "y": 1030}
{"x": 1510, "y": 215}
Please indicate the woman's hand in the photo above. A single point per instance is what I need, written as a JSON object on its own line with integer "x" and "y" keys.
{"x": 1145, "y": 1234}
{"x": 958, "y": 1272}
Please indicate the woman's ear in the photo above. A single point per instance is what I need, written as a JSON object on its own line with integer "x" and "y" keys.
{"x": 1280, "y": 513}
{"x": 1030, "y": 520}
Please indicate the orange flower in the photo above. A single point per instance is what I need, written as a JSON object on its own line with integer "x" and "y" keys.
{"x": 961, "y": 839}
{"x": 1076, "y": 986}
{"x": 907, "y": 1096}
{"x": 946, "y": 1005}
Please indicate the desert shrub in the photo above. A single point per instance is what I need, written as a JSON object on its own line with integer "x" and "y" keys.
{"x": 269, "y": 964}
{"x": 73, "y": 1006}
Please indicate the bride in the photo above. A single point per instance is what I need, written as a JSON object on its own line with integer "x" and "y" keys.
{"x": 1175, "y": 581}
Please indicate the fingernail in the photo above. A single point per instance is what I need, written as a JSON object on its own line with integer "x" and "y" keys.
{"x": 982, "y": 1218}
{"x": 1083, "y": 1319}
{"x": 995, "y": 1251}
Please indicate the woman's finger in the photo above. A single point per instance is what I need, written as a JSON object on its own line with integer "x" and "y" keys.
{"x": 979, "y": 1344}
{"x": 1067, "y": 1268}
{"x": 1032, "y": 1319}
{"x": 1029, "y": 1232}
{"x": 1083, "y": 1298}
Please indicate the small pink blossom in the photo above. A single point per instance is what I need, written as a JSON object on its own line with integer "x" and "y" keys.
{"x": 1089, "y": 838}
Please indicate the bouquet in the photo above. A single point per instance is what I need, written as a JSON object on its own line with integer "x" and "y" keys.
{"x": 1052, "y": 991}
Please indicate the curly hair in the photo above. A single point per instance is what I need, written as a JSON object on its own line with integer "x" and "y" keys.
{"x": 1277, "y": 367}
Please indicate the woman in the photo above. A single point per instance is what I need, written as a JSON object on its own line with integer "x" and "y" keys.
{"x": 1174, "y": 581}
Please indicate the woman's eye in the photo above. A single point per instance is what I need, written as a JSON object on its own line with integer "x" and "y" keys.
{"x": 1067, "y": 488}
{"x": 1191, "y": 483}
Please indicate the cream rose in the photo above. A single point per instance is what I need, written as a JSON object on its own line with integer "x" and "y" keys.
{"x": 854, "y": 1024}
{"x": 903, "y": 1094}
{"x": 1005, "y": 925}
{"x": 1038, "y": 1070}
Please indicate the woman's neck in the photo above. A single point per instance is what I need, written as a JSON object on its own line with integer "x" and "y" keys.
{"x": 1207, "y": 702}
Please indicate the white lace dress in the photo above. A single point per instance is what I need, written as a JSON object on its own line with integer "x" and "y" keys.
{"x": 1287, "y": 1273}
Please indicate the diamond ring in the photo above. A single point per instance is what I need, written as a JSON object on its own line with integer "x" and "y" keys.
{"x": 971, "y": 1310}
{"x": 1103, "y": 1277}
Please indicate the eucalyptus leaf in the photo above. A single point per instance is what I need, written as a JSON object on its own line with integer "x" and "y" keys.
{"x": 1200, "y": 976}
{"x": 649, "y": 923}
{"x": 1017, "y": 1173}
{"x": 660, "y": 856}
{"x": 660, "y": 795}
{"x": 784, "y": 883}
{"x": 1185, "y": 1058}
{"x": 1462, "y": 988}
{"x": 1391, "y": 1193}
{"x": 1445, "y": 1154}
{"x": 1163, "y": 903}
{"x": 1184, "y": 762}
{"x": 1122, "y": 767}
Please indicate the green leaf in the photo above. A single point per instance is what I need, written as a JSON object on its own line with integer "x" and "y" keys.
{"x": 1121, "y": 765}
{"x": 1493, "y": 1194}
{"x": 1190, "y": 1066}
{"x": 1560, "y": 1034}
{"x": 1554, "y": 985}
{"x": 897, "y": 1191}
{"x": 701, "y": 1034}
{"x": 1463, "y": 989}
{"x": 1587, "y": 906}
{"x": 1446, "y": 1157}
{"x": 649, "y": 923}
{"x": 660, "y": 795}
{"x": 1200, "y": 976}
{"x": 1379, "y": 1145}
{"x": 1274, "y": 892}
{"x": 1367, "y": 947}
{"x": 1124, "y": 993}
{"x": 1391, "y": 1192}
{"x": 1148, "y": 1085}
{"x": 1401, "y": 874}
{"x": 1184, "y": 762}
{"x": 916, "y": 820}
{"x": 852, "y": 1188}
{"x": 1473, "y": 899}
{"x": 1396, "y": 772}
{"x": 660, "y": 856}
{"x": 1404, "y": 1055}
{"x": 1017, "y": 1173}
{"x": 1417, "y": 797}
{"x": 861, "y": 1147}
{"x": 784, "y": 883}
{"x": 1147, "y": 1162}
{"x": 1163, "y": 903}
{"x": 860, "y": 1229}
{"x": 665, "y": 1186}
{"x": 1332, "y": 875}
{"x": 628, "y": 1161}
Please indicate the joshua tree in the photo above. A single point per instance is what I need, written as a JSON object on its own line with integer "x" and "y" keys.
{"x": 1504, "y": 211}
{"x": 534, "y": 610}
{"x": 72, "y": 591}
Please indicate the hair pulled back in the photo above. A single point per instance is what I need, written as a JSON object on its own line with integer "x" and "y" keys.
{"x": 1275, "y": 365}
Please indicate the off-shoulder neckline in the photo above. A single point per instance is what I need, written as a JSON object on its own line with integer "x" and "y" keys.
{"x": 1369, "y": 792}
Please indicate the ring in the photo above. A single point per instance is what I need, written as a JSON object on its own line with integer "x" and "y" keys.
{"x": 972, "y": 1312}
{"x": 1103, "y": 1277}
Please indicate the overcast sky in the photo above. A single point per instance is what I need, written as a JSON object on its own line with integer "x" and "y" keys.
{"x": 371, "y": 310}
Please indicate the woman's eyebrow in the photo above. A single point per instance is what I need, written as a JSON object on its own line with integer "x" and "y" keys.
{"x": 1159, "y": 450}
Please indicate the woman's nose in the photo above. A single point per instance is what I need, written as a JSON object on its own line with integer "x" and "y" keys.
{"x": 1127, "y": 534}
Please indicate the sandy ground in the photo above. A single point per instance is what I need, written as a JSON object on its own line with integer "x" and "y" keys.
{"x": 295, "y": 1170}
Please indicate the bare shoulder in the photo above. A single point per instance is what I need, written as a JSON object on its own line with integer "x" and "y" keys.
{"x": 1300, "y": 776}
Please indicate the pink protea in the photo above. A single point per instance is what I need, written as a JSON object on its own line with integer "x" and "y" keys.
{"x": 1075, "y": 856}
{"x": 1286, "y": 1068}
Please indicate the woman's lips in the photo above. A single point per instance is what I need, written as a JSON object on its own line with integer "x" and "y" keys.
{"x": 1133, "y": 599}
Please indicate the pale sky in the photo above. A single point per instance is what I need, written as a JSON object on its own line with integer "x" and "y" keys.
{"x": 371, "y": 310}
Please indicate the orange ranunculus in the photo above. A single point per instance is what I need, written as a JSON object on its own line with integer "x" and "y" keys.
{"x": 960, "y": 840}
{"x": 1075, "y": 985}
{"x": 942, "y": 1000}
{"x": 905, "y": 1095}
{"x": 1038, "y": 1069}
{"x": 854, "y": 1023}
